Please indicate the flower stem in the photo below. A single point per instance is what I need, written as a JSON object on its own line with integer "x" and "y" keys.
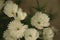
{"x": 38, "y": 3}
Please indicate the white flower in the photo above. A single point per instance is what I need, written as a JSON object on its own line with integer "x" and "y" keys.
{"x": 48, "y": 34}
{"x": 31, "y": 34}
{"x": 17, "y": 29}
{"x": 7, "y": 36}
{"x": 10, "y": 8}
{"x": 20, "y": 15}
{"x": 40, "y": 20}
{"x": 1, "y": 4}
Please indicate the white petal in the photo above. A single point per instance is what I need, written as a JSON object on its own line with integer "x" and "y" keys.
{"x": 40, "y": 20}
{"x": 17, "y": 29}
{"x": 20, "y": 15}
{"x": 48, "y": 34}
{"x": 10, "y": 8}
{"x": 31, "y": 34}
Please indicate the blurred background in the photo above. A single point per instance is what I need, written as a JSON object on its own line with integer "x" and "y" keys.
{"x": 53, "y": 5}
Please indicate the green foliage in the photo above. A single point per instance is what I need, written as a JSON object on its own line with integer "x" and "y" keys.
{"x": 18, "y": 1}
{"x": 39, "y": 8}
{"x": 28, "y": 18}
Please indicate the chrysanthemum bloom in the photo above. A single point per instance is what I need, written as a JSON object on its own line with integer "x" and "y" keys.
{"x": 48, "y": 34}
{"x": 31, "y": 34}
{"x": 10, "y": 8}
{"x": 1, "y": 4}
{"x": 17, "y": 29}
{"x": 7, "y": 36}
{"x": 20, "y": 15}
{"x": 40, "y": 20}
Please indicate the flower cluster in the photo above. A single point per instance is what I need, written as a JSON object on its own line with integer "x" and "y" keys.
{"x": 17, "y": 30}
